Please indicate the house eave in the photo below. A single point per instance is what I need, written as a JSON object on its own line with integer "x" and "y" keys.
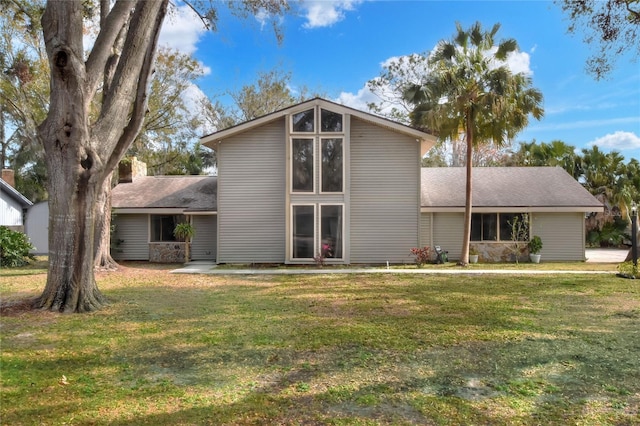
{"x": 515, "y": 209}
{"x": 426, "y": 140}
{"x": 163, "y": 210}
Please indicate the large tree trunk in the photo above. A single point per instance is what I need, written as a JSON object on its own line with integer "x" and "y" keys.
{"x": 80, "y": 155}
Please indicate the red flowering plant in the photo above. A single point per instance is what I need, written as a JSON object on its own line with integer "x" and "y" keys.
{"x": 324, "y": 253}
{"x": 422, "y": 255}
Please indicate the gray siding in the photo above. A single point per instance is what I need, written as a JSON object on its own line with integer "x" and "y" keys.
{"x": 251, "y": 197}
{"x": 384, "y": 198}
{"x": 133, "y": 229}
{"x": 37, "y": 227}
{"x": 562, "y": 234}
{"x": 425, "y": 229}
{"x": 10, "y": 211}
{"x": 203, "y": 244}
{"x": 448, "y": 230}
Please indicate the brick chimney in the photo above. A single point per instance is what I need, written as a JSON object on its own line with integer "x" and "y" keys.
{"x": 130, "y": 169}
{"x": 9, "y": 176}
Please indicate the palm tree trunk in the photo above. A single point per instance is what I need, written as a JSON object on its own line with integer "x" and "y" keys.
{"x": 464, "y": 254}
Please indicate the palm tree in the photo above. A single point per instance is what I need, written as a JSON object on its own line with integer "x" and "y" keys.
{"x": 185, "y": 231}
{"x": 470, "y": 90}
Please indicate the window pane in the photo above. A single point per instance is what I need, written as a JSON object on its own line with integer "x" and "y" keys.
{"x": 331, "y": 231}
{"x": 330, "y": 121}
{"x": 510, "y": 222}
{"x": 332, "y": 165}
{"x": 162, "y": 227}
{"x": 303, "y": 121}
{"x": 476, "y": 227}
{"x": 303, "y": 232}
{"x": 302, "y": 167}
{"x": 490, "y": 227}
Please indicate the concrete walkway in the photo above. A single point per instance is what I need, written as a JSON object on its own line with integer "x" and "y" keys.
{"x": 613, "y": 256}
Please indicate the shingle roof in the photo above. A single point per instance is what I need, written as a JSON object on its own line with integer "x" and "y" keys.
{"x": 526, "y": 187}
{"x": 13, "y": 193}
{"x": 191, "y": 193}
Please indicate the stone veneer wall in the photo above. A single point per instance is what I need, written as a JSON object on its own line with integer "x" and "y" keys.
{"x": 500, "y": 252}
{"x": 169, "y": 252}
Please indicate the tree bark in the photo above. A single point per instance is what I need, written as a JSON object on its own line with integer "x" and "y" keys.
{"x": 102, "y": 257}
{"x": 80, "y": 154}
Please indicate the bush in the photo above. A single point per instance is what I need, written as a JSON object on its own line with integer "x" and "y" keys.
{"x": 14, "y": 248}
{"x": 628, "y": 269}
{"x": 422, "y": 255}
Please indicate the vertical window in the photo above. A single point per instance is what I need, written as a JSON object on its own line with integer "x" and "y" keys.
{"x": 490, "y": 227}
{"x": 303, "y": 121}
{"x": 332, "y": 165}
{"x": 476, "y": 227}
{"x": 331, "y": 231}
{"x": 162, "y": 227}
{"x": 330, "y": 121}
{"x": 303, "y": 231}
{"x": 302, "y": 165}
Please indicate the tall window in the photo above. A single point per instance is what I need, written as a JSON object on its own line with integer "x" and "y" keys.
{"x": 332, "y": 168}
{"x": 307, "y": 131}
{"x": 162, "y": 227}
{"x": 302, "y": 165}
{"x": 331, "y": 223}
{"x": 303, "y": 231}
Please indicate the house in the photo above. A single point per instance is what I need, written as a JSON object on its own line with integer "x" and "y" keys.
{"x": 13, "y": 205}
{"x": 554, "y": 203}
{"x": 36, "y": 227}
{"x": 318, "y": 178}
{"x": 146, "y": 209}
{"x": 322, "y": 179}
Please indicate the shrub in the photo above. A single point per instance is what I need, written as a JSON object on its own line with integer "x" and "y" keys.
{"x": 422, "y": 255}
{"x": 628, "y": 269}
{"x": 535, "y": 245}
{"x": 14, "y": 248}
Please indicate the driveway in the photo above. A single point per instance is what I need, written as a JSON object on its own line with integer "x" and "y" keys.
{"x": 605, "y": 255}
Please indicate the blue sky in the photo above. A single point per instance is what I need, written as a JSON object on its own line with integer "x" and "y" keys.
{"x": 335, "y": 47}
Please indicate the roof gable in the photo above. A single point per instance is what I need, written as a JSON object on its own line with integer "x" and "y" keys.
{"x": 505, "y": 187}
{"x": 426, "y": 139}
{"x": 5, "y": 188}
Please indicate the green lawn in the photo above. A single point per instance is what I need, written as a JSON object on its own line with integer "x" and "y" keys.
{"x": 326, "y": 349}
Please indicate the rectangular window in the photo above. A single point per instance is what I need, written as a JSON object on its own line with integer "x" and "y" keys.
{"x": 302, "y": 165}
{"x": 331, "y": 230}
{"x": 490, "y": 227}
{"x": 332, "y": 165}
{"x": 511, "y": 223}
{"x": 162, "y": 227}
{"x": 303, "y": 220}
{"x": 498, "y": 227}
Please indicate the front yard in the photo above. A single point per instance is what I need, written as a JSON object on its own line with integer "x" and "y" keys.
{"x": 326, "y": 349}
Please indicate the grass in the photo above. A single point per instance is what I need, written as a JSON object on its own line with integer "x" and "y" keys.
{"x": 326, "y": 349}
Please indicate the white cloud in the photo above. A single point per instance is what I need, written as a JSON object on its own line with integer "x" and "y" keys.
{"x": 359, "y": 100}
{"x": 618, "y": 141}
{"x": 325, "y": 13}
{"x": 414, "y": 70}
{"x": 181, "y": 30}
